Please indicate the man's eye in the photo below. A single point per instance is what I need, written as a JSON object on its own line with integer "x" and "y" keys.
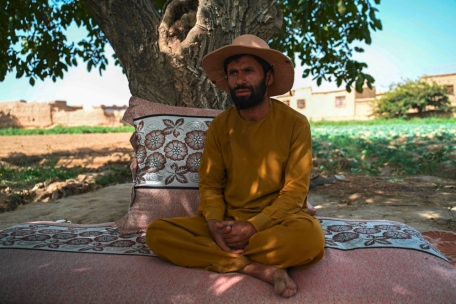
{"x": 232, "y": 73}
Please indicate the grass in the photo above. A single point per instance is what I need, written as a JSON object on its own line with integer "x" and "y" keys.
{"x": 27, "y": 175}
{"x": 403, "y": 147}
{"x": 117, "y": 174}
{"x": 16, "y": 181}
{"x": 65, "y": 130}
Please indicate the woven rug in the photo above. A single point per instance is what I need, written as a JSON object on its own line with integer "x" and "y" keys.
{"x": 106, "y": 239}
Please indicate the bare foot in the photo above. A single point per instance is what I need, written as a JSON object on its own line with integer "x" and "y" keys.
{"x": 283, "y": 284}
{"x": 279, "y": 278}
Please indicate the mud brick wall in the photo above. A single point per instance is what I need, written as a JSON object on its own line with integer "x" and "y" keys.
{"x": 25, "y": 115}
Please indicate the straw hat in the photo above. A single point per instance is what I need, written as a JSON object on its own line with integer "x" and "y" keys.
{"x": 250, "y": 45}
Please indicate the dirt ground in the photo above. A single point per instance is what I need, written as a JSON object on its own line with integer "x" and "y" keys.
{"x": 419, "y": 201}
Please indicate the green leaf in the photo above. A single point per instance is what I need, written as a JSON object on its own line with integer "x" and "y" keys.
{"x": 11, "y": 24}
{"x": 359, "y": 50}
{"x": 19, "y": 73}
{"x": 339, "y": 81}
{"x": 341, "y": 7}
{"x": 32, "y": 81}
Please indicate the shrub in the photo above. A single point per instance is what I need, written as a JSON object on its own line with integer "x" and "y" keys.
{"x": 412, "y": 95}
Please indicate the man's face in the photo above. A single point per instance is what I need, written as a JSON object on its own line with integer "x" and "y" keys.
{"x": 247, "y": 82}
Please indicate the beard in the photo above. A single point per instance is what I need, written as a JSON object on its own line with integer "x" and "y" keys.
{"x": 256, "y": 95}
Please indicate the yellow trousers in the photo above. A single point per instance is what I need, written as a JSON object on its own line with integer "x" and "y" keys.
{"x": 296, "y": 241}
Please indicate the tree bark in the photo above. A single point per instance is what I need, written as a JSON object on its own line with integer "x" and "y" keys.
{"x": 161, "y": 55}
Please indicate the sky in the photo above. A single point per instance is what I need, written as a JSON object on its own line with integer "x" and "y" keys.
{"x": 418, "y": 38}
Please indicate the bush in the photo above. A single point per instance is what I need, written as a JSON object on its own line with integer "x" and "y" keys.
{"x": 412, "y": 95}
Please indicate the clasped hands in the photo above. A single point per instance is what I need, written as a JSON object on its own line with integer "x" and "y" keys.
{"x": 231, "y": 236}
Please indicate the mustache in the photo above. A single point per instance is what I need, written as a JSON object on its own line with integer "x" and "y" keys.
{"x": 243, "y": 87}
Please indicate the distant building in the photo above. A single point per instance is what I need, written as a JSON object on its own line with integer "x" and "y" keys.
{"x": 342, "y": 105}
{"x": 61, "y": 105}
{"x": 445, "y": 80}
{"x": 19, "y": 113}
{"x": 332, "y": 105}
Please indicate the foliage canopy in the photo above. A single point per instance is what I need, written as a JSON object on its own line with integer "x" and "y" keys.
{"x": 321, "y": 33}
{"x": 412, "y": 95}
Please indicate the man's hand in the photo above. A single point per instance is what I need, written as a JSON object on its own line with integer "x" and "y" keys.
{"x": 236, "y": 235}
{"x": 217, "y": 229}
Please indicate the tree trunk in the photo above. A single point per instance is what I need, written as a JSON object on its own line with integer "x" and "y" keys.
{"x": 161, "y": 55}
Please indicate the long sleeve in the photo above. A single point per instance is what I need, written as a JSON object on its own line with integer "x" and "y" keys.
{"x": 212, "y": 179}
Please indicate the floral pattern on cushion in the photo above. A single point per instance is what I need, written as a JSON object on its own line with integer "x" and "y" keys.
{"x": 169, "y": 150}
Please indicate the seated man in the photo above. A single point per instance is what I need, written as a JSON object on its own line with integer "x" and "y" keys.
{"x": 255, "y": 174}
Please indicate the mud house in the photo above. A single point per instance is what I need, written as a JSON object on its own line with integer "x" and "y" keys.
{"x": 22, "y": 114}
{"x": 333, "y": 105}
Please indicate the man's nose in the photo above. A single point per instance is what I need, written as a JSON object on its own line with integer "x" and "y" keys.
{"x": 240, "y": 79}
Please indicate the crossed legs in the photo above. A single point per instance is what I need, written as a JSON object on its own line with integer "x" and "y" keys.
{"x": 296, "y": 241}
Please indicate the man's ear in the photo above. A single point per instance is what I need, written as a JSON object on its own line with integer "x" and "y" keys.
{"x": 269, "y": 77}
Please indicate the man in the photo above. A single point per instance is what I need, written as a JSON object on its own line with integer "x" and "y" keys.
{"x": 254, "y": 177}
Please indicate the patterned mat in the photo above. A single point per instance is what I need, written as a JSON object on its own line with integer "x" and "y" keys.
{"x": 445, "y": 242}
{"x": 339, "y": 234}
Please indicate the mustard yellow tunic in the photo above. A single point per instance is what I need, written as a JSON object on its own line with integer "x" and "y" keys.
{"x": 250, "y": 171}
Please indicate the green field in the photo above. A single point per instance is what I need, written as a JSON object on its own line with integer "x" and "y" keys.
{"x": 65, "y": 130}
{"x": 403, "y": 147}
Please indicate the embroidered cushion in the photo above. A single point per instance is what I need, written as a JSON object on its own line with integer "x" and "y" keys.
{"x": 168, "y": 142}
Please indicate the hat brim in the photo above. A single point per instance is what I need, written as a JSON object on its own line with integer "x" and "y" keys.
{"x": 282, "y": 66}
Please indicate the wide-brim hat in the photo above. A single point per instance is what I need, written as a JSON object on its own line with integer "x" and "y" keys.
{"x": 250, "y": 45}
